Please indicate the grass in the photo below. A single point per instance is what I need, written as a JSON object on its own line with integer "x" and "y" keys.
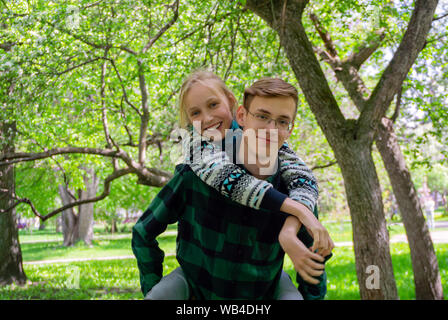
{"x": 101, "y": 248}
{"x": 119, "y": 279}
{"x": 342, "y": 231}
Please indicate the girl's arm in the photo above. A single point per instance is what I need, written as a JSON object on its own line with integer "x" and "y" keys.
{"x": 213, "y": 166}
{"x": 299, "y": 179}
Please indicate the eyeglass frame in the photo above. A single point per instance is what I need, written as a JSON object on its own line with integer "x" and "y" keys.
{"x": 269, "y": 120}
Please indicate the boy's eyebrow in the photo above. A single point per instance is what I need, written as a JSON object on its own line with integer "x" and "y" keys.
{"x": 281, "y": 116}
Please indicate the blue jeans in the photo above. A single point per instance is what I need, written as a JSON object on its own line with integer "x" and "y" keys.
{"x": 174, "y": 286}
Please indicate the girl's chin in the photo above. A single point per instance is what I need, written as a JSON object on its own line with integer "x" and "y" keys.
{"x": 214, "y": 135}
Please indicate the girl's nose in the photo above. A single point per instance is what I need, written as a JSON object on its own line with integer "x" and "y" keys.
{"x": 207, "y": 118}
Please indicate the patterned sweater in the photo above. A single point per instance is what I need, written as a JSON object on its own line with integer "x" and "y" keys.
{"x": 214, "y": 163}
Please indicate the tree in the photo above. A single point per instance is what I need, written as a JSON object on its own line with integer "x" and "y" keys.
{"x": 351, "y": 140}
{"x": 11, "y": 269}
{"x": 94, "y": 84}
{"x": 426, "y": 272}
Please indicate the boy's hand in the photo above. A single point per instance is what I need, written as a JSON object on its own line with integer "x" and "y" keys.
{"x": 306, "y": 263}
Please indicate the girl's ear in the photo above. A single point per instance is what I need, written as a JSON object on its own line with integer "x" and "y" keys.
{"x": 241, "y": 115}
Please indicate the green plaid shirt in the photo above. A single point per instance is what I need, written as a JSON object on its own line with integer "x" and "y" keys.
{"x": 226, "y": 250}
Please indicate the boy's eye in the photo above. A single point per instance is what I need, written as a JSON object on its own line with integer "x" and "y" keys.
{"x": 283, "y": 122}
{"x": 262, "y": 117}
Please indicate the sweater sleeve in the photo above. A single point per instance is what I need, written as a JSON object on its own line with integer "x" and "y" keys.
{"x": 215, "y": 167}
{"x": 299, "y": 179}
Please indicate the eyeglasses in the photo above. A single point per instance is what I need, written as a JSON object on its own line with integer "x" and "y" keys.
{"x": 281, "y": 124}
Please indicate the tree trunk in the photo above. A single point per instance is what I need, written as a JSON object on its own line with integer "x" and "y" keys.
{"x": 370, "y": 234}
{"x": 86, "y": 210}
{"x": 69, "y": 219}
{"x": 428, "y": 284}
{"x": 11, "y": 268}
{"x": 352, "y": 150}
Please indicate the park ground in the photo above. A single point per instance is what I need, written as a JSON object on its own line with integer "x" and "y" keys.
{"x": 108, "y": 269}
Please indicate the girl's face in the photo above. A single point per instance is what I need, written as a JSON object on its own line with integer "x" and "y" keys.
{"x": 208, "y": 109}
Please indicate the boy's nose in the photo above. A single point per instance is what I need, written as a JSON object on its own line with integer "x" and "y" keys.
{"x": 271, "y": 124}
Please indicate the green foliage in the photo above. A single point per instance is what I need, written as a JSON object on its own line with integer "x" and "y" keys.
{"x": 50, "y": 82}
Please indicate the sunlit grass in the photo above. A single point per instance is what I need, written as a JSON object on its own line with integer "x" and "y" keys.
{"x": 119, "y": 279}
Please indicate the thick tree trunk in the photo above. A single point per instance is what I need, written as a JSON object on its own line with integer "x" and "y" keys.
{"x": 427, "y": 278}
{"x": 69, "y": 219}
{"x": 86, "y": 210}
{"x": 11, "y": 268}
{"x": 370, "y": 235}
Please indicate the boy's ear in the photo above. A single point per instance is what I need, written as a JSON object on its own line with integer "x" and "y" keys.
{"x": 241, "y": 115}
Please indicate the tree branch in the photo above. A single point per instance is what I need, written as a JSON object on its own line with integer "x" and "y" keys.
{"x": 441, "y": 17}
{"x": 144, "y": 118}
{"x": 398, "y": 68}
{"x": 77, "y": 66}
{"x": 23, "y": 157}
{"x": 397, "y": 106}
{"x": 324, "y": 35}
{"x": 365, "y": 51}
{"x": 106, "y": 191}
{"x": 325, "y": 165}
{"x": 175, "y": 8}
{"x": 112, "y": 61}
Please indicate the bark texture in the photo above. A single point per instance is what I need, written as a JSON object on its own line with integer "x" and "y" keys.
{"x": 11, "y": 268}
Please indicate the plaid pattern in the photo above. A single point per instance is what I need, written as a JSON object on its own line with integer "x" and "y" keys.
{"x": 226, "y": 250}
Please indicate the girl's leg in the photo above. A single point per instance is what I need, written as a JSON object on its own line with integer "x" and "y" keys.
{"x": 286, "y": 289}
{"x": 173, "y": 286}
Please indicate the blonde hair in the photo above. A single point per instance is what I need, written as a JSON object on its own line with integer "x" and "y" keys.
{"x": 203, "y": 77}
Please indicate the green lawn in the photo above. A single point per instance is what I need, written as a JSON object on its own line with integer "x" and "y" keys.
{"x": 118, "y": 279}
{"x": 342, "y": 231}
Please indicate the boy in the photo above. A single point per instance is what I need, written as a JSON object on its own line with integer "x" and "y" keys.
{"x": 225, "y": 250}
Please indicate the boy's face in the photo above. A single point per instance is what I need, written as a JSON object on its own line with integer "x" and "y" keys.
{"x": 281, "y": 109}
{"x": 208, "y": 109}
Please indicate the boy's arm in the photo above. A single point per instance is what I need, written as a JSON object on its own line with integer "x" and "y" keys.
{"x": 306, "y": 263}
{"x": 311, "y": 276}
{"x": 164, "y": 209}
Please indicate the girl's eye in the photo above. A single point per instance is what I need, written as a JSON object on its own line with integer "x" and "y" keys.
{"x": 194, "y": 113}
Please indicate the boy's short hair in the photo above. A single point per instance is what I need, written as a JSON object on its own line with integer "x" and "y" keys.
{"x": 270, "y": 87}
